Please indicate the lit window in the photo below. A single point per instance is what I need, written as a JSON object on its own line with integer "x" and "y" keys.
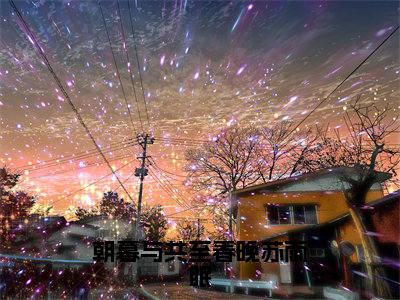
{"x": 291, "y": 214}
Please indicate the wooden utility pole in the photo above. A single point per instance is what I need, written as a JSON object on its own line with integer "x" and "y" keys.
{"x": 198, "y": 229}
{"x": 142, "y": 172}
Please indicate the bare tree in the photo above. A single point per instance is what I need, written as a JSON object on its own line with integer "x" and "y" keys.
{"x": 275, "y": 146}
{"x": 282, "y": 149}
{"x": 366, "y": 150}
{"x": 220, "y": 221}
{"x": 218, "y": 207}
{"x": 226, "y": 164}
{"x": 190, "y": 230}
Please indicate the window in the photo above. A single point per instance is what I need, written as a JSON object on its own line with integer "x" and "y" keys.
{"x": 291, "y": 214}
{"x": 317, "y": 252}
{"x": 284, "y": 214}
{"x": 171, "y": 266}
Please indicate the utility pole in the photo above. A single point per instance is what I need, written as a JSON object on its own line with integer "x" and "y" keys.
{"x": 143, "y": 140}
{"x": 198, "y": 229}
{"x": 230, "y": 216}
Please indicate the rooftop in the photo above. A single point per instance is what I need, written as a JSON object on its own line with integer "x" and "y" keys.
{"x": 339, "y": 171}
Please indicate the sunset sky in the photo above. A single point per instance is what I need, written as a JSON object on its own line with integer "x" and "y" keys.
{"x": 205, "y": 65}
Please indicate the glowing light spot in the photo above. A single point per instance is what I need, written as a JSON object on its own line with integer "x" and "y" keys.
{"x": 237, "y": 21}
{"x": 241, "y": 69}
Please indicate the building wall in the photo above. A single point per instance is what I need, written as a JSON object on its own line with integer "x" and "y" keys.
{"x": 260, "y": 270}
{"x": 387, "y": 223}
{"x": 252, "y": 216}
{"x": 253, "y": 221}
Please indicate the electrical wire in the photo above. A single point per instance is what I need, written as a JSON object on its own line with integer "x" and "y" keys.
{"x": 138, "y": 63}
{"x": 168, "y": 183}
{"x": 61, "y": 162}
{"x": 75, "y": 155}
{"x": 93, "y": 183}
{"x": 168, "y": 189}
{"x": 342, "y": 82}
{"x": 42, "y": 55}
{"x": 164, "y": 171}
{"x": 116, "y": 68}
{"x": 87, "y": 166}
{"x": 125, "y": 45}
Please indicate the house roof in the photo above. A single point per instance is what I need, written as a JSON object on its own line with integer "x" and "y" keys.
{"x": 381, "y": 177}
{"x": 45, "y": 260}
{"x": 86, "y": 220}
{"x": 376, "y": 203}
{"x": 387, "y": 199}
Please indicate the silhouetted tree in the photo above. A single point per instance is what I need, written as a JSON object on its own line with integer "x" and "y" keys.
{"x": 14, "y": 207}
{"x": 112, "y": 205}
{"x": 189, "y": 230}
{"x": 154, "y": 223}
{"x": 226, "y": 164}
{"x": 82, "y": 213}
{"x": 372, "y": 159}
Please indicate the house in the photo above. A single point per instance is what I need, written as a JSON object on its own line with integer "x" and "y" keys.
{"x": 312, "y": 208}
{"x": 74, "y": 241}
{"x": 34, "y": 232}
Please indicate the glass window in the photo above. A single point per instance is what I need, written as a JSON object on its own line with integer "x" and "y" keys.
{"x": 310, "y": 214}
{"x": 284, "y": 214}
{"x": 291, "y": 214}
{"x": 272, "y": 211}
{"x": 171, "y": 266}
{"x": 299, "y": 216}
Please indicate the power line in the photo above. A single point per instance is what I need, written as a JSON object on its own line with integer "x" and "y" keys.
{"x": 164, "y": 171}
{"x": 75, "y": 169}
{"x": 181, "y": 143}
{"x": 190, "y": 218}
{"x": 138, "y": 63}
{"x": 42, "y": 55}
{"x": 182, "y": 139}
{"x": 171, "y": 186}
{"x": 116, "y": 67}
{"x": 59, "y": 162}
{"x": 93, "y": 183}
{"x": 168, "y": 189}
{"x": 74, "y": 156}
{"x": 341, "y": 83}
{"x": 127, "y": 178}
{"x": 185, "y": 210}
{"x": 125, "y": 45}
